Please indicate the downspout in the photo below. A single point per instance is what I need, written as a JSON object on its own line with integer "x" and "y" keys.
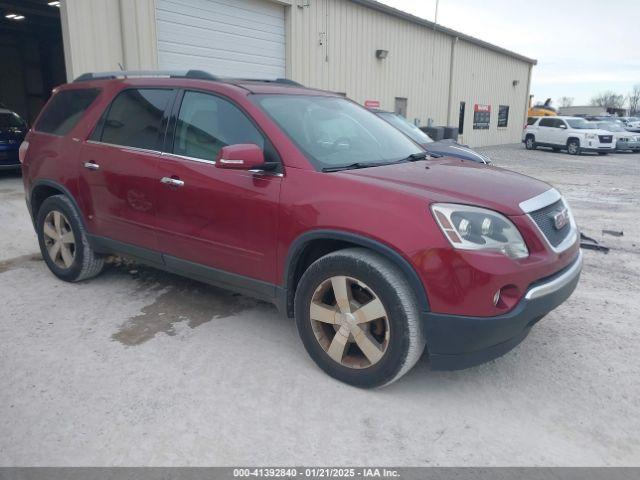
{"x": 454, "y": 42}
{"x": 527, "y": 101}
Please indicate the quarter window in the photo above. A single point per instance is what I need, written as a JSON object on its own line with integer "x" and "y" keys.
{"x": 64, "y": 110}
{"x": 206, "y": 123}
{"x": 135, "y": 119}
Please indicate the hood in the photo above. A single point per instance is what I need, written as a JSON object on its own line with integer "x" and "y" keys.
{"x": 452, "y": 180}
{"x": 451, "y": 148}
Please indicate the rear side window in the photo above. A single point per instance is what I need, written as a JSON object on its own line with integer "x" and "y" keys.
{"x": 546, "y": 122}
{"x": 135, "y": 119}
{"x": 65, "y": 110}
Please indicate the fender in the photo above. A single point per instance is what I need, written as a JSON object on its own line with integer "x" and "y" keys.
{"x": 298, "y": 245}
{"x": 57, "y": 186}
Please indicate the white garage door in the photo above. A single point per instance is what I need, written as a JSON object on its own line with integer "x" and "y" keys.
{"x": 237, "y": 38}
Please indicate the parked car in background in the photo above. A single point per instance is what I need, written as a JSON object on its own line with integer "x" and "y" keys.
{"x": 447, "y": 148}
{"x": 632, "y": 123}
{"x": 305, "y": 199}
{"x": 12, "y": 132}
{"x": 623, "y": 138}
{"x": 573, "y": 134}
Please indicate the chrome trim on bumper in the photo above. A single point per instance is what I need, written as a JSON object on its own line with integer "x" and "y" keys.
{"x": 558, "y": 282}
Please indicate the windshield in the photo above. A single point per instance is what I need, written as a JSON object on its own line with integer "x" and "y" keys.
{"x": 580, "y": 124}
{"x": 611, "y": 127}
{"x": 334, "y": 132}
{"x": 11, "y": 120}
{"x": 406, "y": 127}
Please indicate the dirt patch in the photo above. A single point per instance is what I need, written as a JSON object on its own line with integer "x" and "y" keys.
{"x": 18, "y": 262}
{"x": 179, "y": 300}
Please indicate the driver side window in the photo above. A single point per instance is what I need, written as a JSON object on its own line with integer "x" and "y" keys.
{"x": 206, "y": 123}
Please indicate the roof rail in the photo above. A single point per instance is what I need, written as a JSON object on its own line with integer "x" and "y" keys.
{"x": 283, "y": 81}
{"x": 195, "y": 74}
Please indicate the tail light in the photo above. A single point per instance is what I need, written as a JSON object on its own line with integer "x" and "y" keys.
{"x": 22, "y": 152}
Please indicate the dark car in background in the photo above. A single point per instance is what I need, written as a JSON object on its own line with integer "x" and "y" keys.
{"x": 446, "y": 148}
{"x": 12, "y": 132}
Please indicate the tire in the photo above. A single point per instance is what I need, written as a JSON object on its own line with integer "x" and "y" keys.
{"x": 371, "y": 281}
{"x": 573, "y": 147}
{"x": 530, "y": 142}
{"x": 62, "y": 221}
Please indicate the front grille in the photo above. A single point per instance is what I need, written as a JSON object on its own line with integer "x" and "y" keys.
{"x": 605, "y": 138}
{"x": 544, "y": 220}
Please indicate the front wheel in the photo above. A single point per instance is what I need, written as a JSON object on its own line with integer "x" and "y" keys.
{"x": 358, "y": 319}
{"x": 573, "y": 147}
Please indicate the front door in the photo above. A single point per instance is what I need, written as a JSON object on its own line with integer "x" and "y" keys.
{"x": 119, "y": 166}
{"x": 223, "y": 219}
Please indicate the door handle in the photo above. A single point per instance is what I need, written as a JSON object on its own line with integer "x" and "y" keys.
{"x": 91, "y": 165}
{"x": 174, "y": 182}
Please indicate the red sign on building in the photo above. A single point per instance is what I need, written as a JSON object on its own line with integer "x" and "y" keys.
{"x": 372, "y": 103}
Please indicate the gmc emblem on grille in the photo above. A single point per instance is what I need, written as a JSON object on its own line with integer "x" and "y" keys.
{"x": 560, "y": 219}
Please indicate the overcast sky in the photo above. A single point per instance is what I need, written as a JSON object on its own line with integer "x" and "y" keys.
{"x": 583, "y": 47}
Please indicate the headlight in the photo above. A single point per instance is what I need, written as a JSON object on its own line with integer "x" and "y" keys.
{"x": 473, "y": 228}
{"x": 591, "y": 136}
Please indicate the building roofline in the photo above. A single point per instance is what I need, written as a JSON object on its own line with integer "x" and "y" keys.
{"x": 381, "y": 7}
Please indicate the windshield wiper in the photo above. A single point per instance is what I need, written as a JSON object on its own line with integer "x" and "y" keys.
{"x": 415, "y": 157}
{"x": 353, "y": 166}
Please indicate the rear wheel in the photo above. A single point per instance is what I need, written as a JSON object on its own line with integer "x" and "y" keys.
{"x": 63, "y": 241}
{"x": 358, "y": 319}
{"x": 530, "y": 142}
{"x": 573, "y": 147}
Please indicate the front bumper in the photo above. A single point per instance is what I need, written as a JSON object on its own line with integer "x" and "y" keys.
{"x": 455, "y": 342}
{"x": 9, "y": 158}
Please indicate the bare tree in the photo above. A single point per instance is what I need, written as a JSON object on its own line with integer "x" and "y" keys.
{"x": 608, "y": 99}
{"x": 566, "y": 101}
{"x": 634, "y": 100}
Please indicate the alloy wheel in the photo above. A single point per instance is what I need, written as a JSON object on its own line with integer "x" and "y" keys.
{"x": 349, "y": 322}
{"x": 59, "y": 239}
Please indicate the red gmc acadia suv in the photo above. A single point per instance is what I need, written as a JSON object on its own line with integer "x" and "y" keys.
{"x": 303, "y": 198}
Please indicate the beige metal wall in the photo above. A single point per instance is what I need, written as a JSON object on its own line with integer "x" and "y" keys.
{"x": 100, "y": 35}
{"x": 486, "y": 77}
{"x": 332, "y": 44}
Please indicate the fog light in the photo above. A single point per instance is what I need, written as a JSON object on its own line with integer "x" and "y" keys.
{"x": 496, "y": 298}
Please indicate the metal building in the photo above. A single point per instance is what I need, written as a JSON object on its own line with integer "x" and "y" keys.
{"x": 372, "y": 53}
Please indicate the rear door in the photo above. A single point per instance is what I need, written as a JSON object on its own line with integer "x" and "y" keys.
{"x": 120, "y": 168}
{"x": 224, "y": 219}
{"x": 545, "y": 130}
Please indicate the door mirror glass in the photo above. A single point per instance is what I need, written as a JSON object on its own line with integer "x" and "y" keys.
{"x": 562, "y": 125}
{"x": 244, "y": 156}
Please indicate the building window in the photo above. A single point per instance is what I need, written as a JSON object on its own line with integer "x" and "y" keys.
{"x": 461, "y": 118}
{"x": 401, "y": 106}
{"x": 503, "y": 116}
{"x": 481, "y": 117}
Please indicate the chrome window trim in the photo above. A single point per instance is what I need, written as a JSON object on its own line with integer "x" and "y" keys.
{"x": 125, "y": 147}
{"x": 540, "y": 201}
{"x": 186, "y": 157}
{"x": 557, "y": 283}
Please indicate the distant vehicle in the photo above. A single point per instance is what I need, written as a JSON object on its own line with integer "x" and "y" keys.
{"x": 447, "y": 148}
{"x": 12, "y": 132}
{"x": 573, "y": 134}
{"x": 543, "y": 110}
{"x": 624, "y": 139}
{"x": 632, "y": 123}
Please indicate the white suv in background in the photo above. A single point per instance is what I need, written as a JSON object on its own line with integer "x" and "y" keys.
{"x": 574, "y": 134}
